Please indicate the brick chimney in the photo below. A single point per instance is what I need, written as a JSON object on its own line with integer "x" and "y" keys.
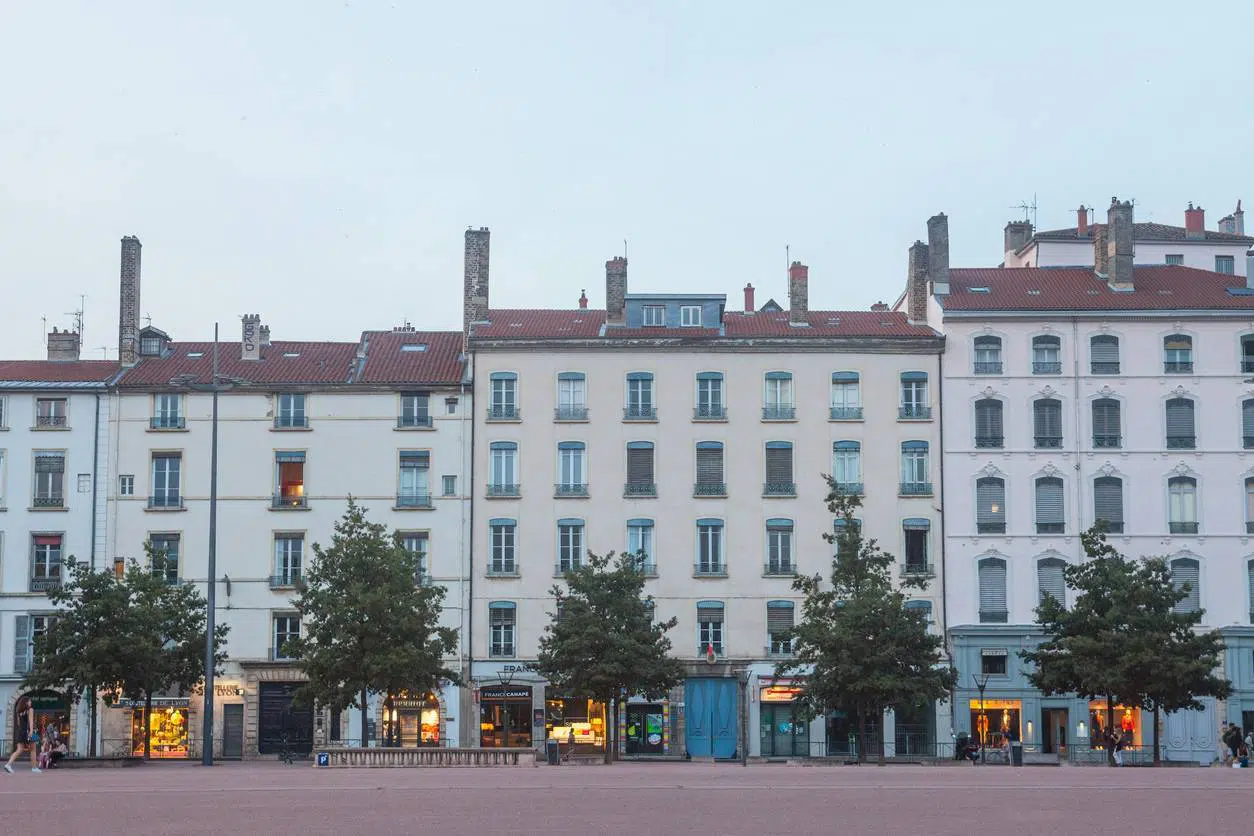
{"x": 879, "y": 307}
{"x": 798, "y": 293}
{"x": 1082, "y": 222}
{"x": 1194, "y": 223}
{"x": 63, "y": 345}
{"x": 1233, "y": 224}
{"x": 749, "y": 306}
{"x": 616, "y": 291}
{"x": 583, "y": 299}
{"x": 128, "y": 302}
{"x": 1101, "y": 257}
{"x": 475, "y": 274}
{"x": 1119, "y": 245}
{"x": 916, "y": 284}
{"x": 1018, "y": 233}
{"x": 938, "y": 253}
{"x": 250, "y": 337}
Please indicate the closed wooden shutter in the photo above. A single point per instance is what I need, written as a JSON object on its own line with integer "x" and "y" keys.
{"x": 1186, "y": 570}
{"x": 1108, "y": 501}
{"x": 640, "y": 463}
{"x": 1049, "y": 507}
{"x": 1106, "y": 417}
{"x": 502, "y": 614}
{"x": 993, "y": 590}
{"x": 1047, "y": 419}
{"x": 49, "y": 463}
{"x": 709, "y": 612}
{"x": 990, "y": 500}
{"x": 1105, "y": 350}
{"x": 1180, "y": 418}
{"x": 1250, "y": 572}
{"x": 778, "y": 462}
{"x": 1050, "y": 579}
{"x": 988, "y": 415}
{"x": 779, "y": 616}
{"x": 1249, "y": 510}
{"x": 1247, "y": 422}
{"x": 710, "y": 463}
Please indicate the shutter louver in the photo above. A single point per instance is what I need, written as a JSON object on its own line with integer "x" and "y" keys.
{"x": 1049, "y": 502}
{"x": 640, "y": 465}
{"x": 1187, "y": 570}
{"x": 778, "y": 464}
{"x": 779, "y": 617}
{"x": 990, "y": 495}
{"x": 710, "y": 614}
{"x": 710, "y": 465}
{"x": 1106, "y": 418}
{"x": 1250, "y": 572}
{"x": 1108, "y": 501}
{"x": 988, "y": 418}
{"x": 502, "y": 616}
{"x": 993, "y": 590}
{"x": 1047, "y": 419}
{"x": 1105, "y": 350}
{"x": 1247, "y": 422}
{"x": 1050, "y": 580}
{"x": 49, "y": 463}
{"x": 1180, "y": 419}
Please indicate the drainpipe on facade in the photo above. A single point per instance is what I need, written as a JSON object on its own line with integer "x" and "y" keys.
{"x": 1075, "y": 413}
{"x": 940, "y": 409}
{"x": 469, "y": 557}
{"x": 95, "y": 493}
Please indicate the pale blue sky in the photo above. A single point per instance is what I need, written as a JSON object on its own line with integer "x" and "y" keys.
{"x": 318, "y": 162}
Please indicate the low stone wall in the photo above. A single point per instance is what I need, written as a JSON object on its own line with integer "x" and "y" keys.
{"x": 383, "y": 757}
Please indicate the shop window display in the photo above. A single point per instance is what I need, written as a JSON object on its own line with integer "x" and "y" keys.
{"x": 1126, "y": 724}
{"x": 993, "y": 722}
{"x": 411, "y": 721}
{"x": 576, "y": 720}
{"x": 168, "y": 731}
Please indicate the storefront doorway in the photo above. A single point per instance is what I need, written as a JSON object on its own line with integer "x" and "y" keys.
{"x": 51, "y": 710}
{"x": 167, "y": 733}
{"x": 710, "y": 717}
{"x": 783, "y": 734}
{"x": 1127, "y": 724}
{"x": 233, "y": 730}
{"x": 994, "y": 721}
{"x": 410, "y": 721}
{"x": 1054, "y": 731}
{"x": 279, "y": 715}
{"x": 644, "y": 730}
{"x": 576, "y": 720}
{"x": 505, "y": 716}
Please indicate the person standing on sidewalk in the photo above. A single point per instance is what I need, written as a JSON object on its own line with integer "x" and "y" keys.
{"x": 26, "y": 736}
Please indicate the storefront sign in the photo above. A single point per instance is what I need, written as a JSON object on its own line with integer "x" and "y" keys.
{"x": 993, "y": 651}
{"x": 504, "y": 692}
{"x": 519, "y": 668}
{"x": 157, "y": 702}
{"x": 220, "y": 689}
{"x": 780, "y": 693}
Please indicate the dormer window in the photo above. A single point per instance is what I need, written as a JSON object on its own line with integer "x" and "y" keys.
{"x": 690, "y": 316}
{"x": 150, "y": 346}
{"x": 653, "y": 315}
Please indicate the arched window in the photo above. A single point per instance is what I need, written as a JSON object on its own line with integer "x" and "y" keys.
{"x": 1182, "y": 505}
{"x": 1108, "y": 502}
{"x": 1047, "y": 423}
{"x": 1050, "y": 579}
{"x": 1049, "y": 506}
{"x": 1178, "y": 354}
{"x": 988, "y": 355}
{"x": 1186, "y": 576}
{"x": 1107, "y": 426}
{"x": 990, "y": 505}
{"x": 1181, "y": 431}
{"x": 1046, "y": 355}
{"x": 1104, "y": 354}
{"x": 988, "y": 424}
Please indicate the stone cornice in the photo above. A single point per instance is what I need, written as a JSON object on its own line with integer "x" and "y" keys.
{"x": 722, "y": 345}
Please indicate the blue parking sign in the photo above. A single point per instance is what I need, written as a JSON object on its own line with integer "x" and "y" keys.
{"x": 324, "y": 759}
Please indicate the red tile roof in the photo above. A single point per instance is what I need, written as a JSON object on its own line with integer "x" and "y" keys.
{"x": 313, "y": 362}
{"x": 1147, "y": 232}
{"x": 507, "y": 323}
{"x": 57, "y": 371}
{"x": 825, "y": 324}
{"x": 1156, "y": 287}
{"x": 388, "y": 362}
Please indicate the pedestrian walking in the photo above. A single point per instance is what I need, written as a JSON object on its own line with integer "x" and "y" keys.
{"x": 1232, "y": 739}
{"x": 1120, "y": 742}
{"x": 27, "y": 736}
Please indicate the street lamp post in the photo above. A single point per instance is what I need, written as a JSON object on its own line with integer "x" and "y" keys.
{"x": 981, "y": 682}
{"x": 505, "y": 678}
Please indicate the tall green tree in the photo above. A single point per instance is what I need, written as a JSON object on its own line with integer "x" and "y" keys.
{"x": 603, "y": 640}
{"x": 1122, "y": 641}
{"x": 857, "y": 645}
{"x": 369, "y": 623}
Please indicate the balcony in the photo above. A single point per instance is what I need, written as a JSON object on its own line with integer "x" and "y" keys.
{"x": 1182, "y": 527}
{"x": 1051, "y": 528}
{"x": 990, "y": 442}
{"x": 289, "y": 502}
{"x": 779, "y": 412}
{"x": 50, "y": 422}
{"x": 1101, "y": 367}
{"x": 915, "y": 489}
{"x": 640, "y": 412}
{"x": 1181, "y": 442}
{"x": 504, "y": 412}
{"x": 990, "y": 528}
{"x": 1047, "y": 367}
{"x": 647, "y": 567}
{"x": 503, "y": 569}
{"x": 291, "y": 422}
{"x": 851, "y": 488}
{"x": 56, "y": 501}
{"x": 710, "y": 412}
{"x": 1048, "y": 442}
{"x": 709, "y": 489}
{"x": 779, "y": 649}
{"x": 501, "y": 490}
{"x": 779, "y": 569}
{"x": 44, "y": 584}
{"x": 988, "y": 367}
{"x": 570, "y": 489}
{"x": 779, "y": 488}
{"x": 413, "y": 500}
{"x": 167, "y": 422}
{"x": 414, "y": 422}
{"x": 914, "y": 412}
{"x": 1107, "y": 442}
{"x": 639, "y": 489}
{"x": 994, "y": 616}
{"x": 570, "y": 413}
{"x": 285, "y": 580}
{"x": 918, "y": 570}
{"x": 1178, "y": 367}
{"x": 165, "y": 502}
{"x": 844, "y": 413}
{"x": 708, "y": 569}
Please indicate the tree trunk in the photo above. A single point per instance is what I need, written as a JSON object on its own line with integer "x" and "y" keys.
{"x": 91, "y": 745}
{"x": 365, "y": 716}
{"x": 147, "y": 724}
{"x": 609, "y": 730}
{"x": 1110, "y": 730}
{"x": 1158, "y": 761}
{"x": 861, "y": 734}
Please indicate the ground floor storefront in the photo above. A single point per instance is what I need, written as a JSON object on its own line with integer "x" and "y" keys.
{"x": 53, "y": 709}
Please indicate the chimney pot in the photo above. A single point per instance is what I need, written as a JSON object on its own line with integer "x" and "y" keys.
{"x": 1017, "y": 234}
{"x": 128, "y": 301}
{"x": 1119, "y": 246}
{"x": 583, "y": 298}
{"x": 938, "y": 253}
{"x": 798, "y": 293}
{"x": 749, "y": 306}
{"x": 616, "y": 290}
{"x": 916, "y": 283}
{"x": 64, "y": 345}
{"x": 1194, "y": 222}
{"x": 1081, "y": 222}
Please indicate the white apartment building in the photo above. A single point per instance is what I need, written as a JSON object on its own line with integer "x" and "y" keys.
{"x": 1120, "y": 392}
{"x": 698, "y": 436}
{"x": 54, "y": 416}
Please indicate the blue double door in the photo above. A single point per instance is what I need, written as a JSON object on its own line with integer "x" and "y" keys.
{"x": 710, "y": 718}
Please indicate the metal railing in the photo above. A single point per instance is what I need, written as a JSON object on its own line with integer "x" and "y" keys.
{"x": 410, "y": 422}
{"x": 504, "y": 412}
{"x": 1050, "y": 528}
{"x": 712, "y": 412}
{"x": 504, "y": 489}
{"x": 914, "y": 412}
{"x": 845, "y": 413}
{"x": 568, "y": 489}
{"x": 46, "y": 421}
{"x": 167, "y": 422}
{"x": 503, "y": 569}
{"x": 916, "y": 489}
{"x": 709, "y": 489}
{"x": 1181, "y": 442}
{"x": 778, "y": 412}
{"x": 779, "y": 488}
{"x": 1099, "y": 367}
{"x": 44, "y": 584}
{"x": 281, "y": 502}
{"x": 1107, "y": 442}
{"x": 285, "y": 580}
{"x": 994, "y": 616}
{"x": 778, "y": 650}
{"x": 851, "y": 488}
{"x": 640, "y": 412}
{"x": 1178, "y": 367}
{"x": 918, "y": 570}
{"x": 167, "y": 501}
{"x": 1047, "y": 367}
{"x": 780, "y": 568}
{"x": 637, "y": 489}
{"x": 1182, "y": 527}
{"x": 706, "y": 569}
{"x": 291, "y": 422}
{"x": 990, "y": 441}
{"x": 57, "y": 501}
{"x": 990, "y": 528}
{"x": 988, "y": 367}
{"x": 413, "y": 500}
{"x": 1048, "y": 442}
{"x": 1247, "y": 365}
{"x": 570, "y": 413}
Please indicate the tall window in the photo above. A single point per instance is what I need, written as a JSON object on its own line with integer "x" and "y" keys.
{"x": 1225, "y": 264}
{"x": 777, "y": 402}
{"x": 1050, "y": 517}
{"x": 710, "y": 404}
{"x": 289, "y": 479}
{"x": 1106, "y": 424}
{"x": 640, "y": 469}
{"x": 1046, "y": 355}
{"x": 166, "y": 481}
{"x": 916, "y": 531}
{"x": 779, "y": 624}
{"x": 779, "y": 538}
{"x": 1178, "y": 354}
{"x": 988, "y": 355}
{"x": 1104, "y": 354}
{"x": 846, "y": 397}
{"x": 1247, "y": 355}
{"x": 291, "y": 412}
{"x": 1249, "y": 508}
{"x": 50, "y": 413}
{"x": 167, "y": 412}
{"x": 502, "y": 616}
{"x": 992, "y": 576}
{"x": 640, "y": 543}
{"x": 504, "y": 406}
{"x": 1186, "y": 576}
{"x": 572, "y": 396}
{"x": 49, "y": 479}
{"x": 1108, "y": 502}
{"x": 640, "y": 402}
{"x": 1182, "y": 505}
{"x": 415, "y": 410}
{"x": 914, "y": 469}
{"x": 502, "y": 556}
{"x": 914, "y": 402}
{"x": 415, "y": 479}
{"x": 847, "y": 466}
{"x": 990, "y": 505}
{"x": 571, "y": 469}
{"x": 709, "y": 628}
{"x": 28, "y": 628}
{"x": 1047, "y": 423}
{"x": 504, "y": 464}
{"x": 569, "y": 545}
{"x": 289, "y": 559}
{"x": 1247, "y": 424}
{"x": 1051, "y": 580}
{"x": 1181, "y": 431}
{"x": 710, "y": 547}
{"x": 989, "y": 432}
{"x": 165, "y": 557}
{"x": 839, "y": 528}
{"x": 286, "y": 629}
{"x": 45, "y": 569}
{"x": 779, "y": 476}
{"x": 418, "y": 544}
{"x": 709, "y": 469}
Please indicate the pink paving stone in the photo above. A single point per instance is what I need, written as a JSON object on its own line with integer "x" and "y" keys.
{"x": 629, "y": 798}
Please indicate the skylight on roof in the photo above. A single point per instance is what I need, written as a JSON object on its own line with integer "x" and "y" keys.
{"x": 1034, "y": 292}
{"x": 414, "y": 347}
{"x": 1240, "y": 291}
{"x": 979, "y": 289}
{"x": 195, "y": 355}
{"x": 291, "y": 354}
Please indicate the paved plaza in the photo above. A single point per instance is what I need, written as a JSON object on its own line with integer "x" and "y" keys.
{"x": 629, "y": 798}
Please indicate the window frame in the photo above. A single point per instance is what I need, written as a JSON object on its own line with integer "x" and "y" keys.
{"x": 287, "y": 572}
{"x": 571, "y": 539}
{"x": 843, "y": 407}
{"x": 503, "y": 396}
{"x": 993, "y": 562}
{"x": 988, "y": 347}
{"x": 1178, "y": 360}
{"x": 287, "y": 620}
{"x": 166, "y": 537}
{"x": 502, "y": 547}
{"x": 1225, "y": 265}
{"x": 414, "y": 410}
{"x": 1044, "y": 347}
{"x": 1106, "y": 366}
{"x": 711, "y": 548}
{"x": 914, "y": 396}
{"x": 989, "y": 440}
{"x": 1183, "y": 496}
{"x": 653, "y": 316}
{"x": 689, "y": 316}
{"x": 291, "y": 411}
{"x": 502, "y": 632}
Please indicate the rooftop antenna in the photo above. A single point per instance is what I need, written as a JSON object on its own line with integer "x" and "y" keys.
{"x": 44, "y": 320}
{"x": 104, "y": 351}
{"x": 1029, "y": 210}
{"x": 147, "y": 321}
{"x": 78, "y": 317}
{"x": 624, "y": 248}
